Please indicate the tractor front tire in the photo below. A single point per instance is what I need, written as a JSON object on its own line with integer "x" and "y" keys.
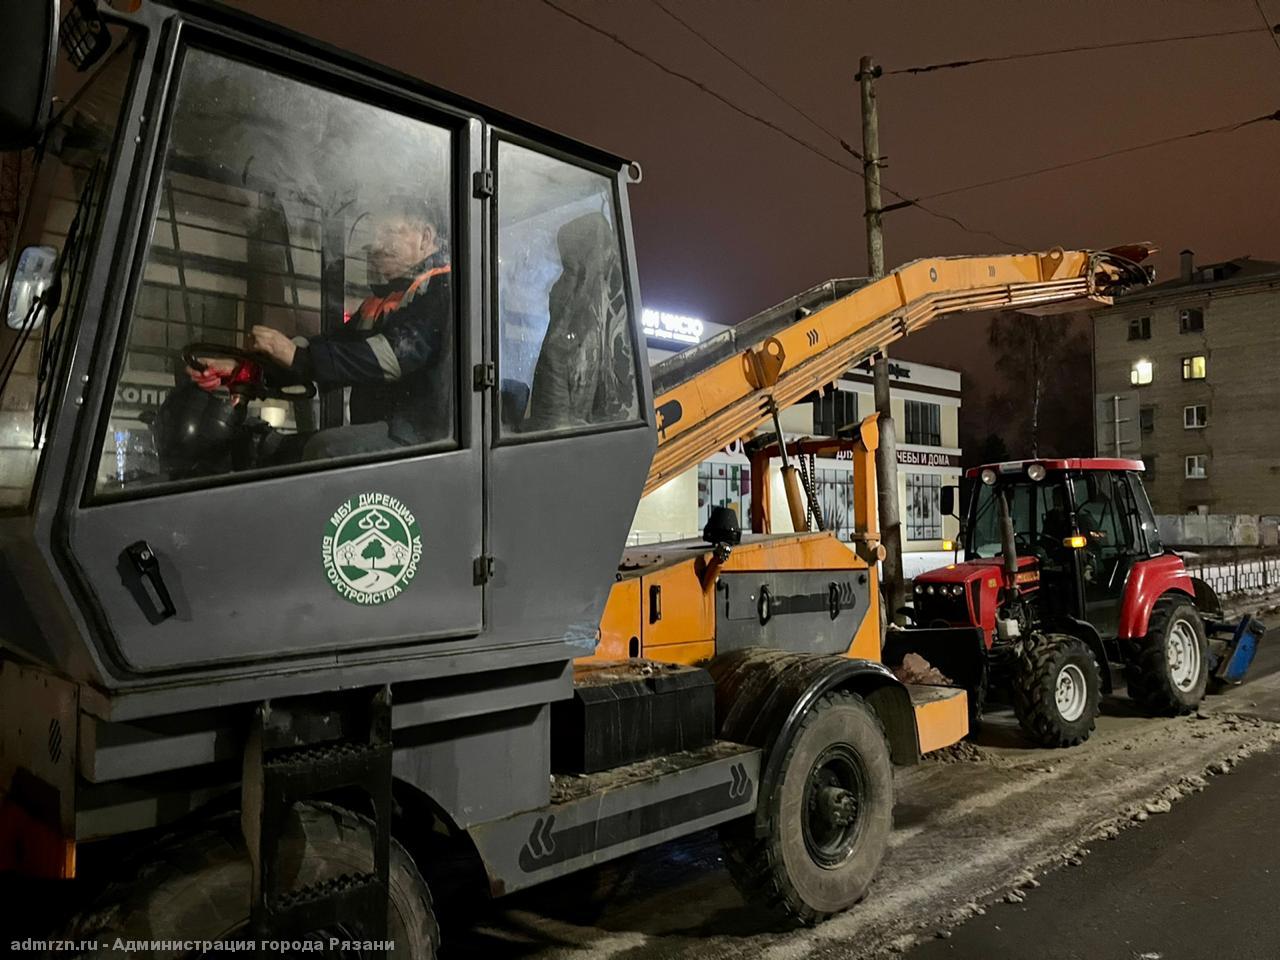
{"x": 828, "y": 817}
{"x": 1168, "y": 669}
{"x": 196, "y": 887}
{"x": 1057, "y": 688}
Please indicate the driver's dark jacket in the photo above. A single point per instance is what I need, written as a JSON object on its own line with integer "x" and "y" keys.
{"x": 395, "y": 353}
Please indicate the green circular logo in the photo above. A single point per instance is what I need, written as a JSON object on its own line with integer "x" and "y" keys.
{"x": 372, "y": 546}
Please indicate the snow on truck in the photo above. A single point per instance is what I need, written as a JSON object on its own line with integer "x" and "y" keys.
{"x": 324, "y": 418}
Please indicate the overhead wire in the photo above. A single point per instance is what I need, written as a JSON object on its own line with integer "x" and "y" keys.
{"x": 844, "y": 144}
{"x": 800, "y": 141}
{"x": 1084, "y": 48}
{"x": 1225, "y": 128}
{"x": 1274, "y": 30}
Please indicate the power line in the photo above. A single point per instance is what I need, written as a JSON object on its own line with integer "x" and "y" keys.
{"x": 1115, "y": 45}
{"x": 700, "y": 85}
{"x": 844, "y": 144}
{"x": 1273, "y": 30}
{"x": 800, "y": 141}
{"x": 1225, "y": 128}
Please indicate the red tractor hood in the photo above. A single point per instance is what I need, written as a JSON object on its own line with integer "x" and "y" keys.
{"x": 969, "y": 570}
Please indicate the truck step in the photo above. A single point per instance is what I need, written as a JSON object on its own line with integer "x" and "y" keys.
{"x": 597, "y": 817}
{"x": 317, "y": 906}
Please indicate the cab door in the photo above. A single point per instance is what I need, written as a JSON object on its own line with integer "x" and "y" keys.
{"x": 321, "y": 497}
{"x": 1105, "y": 517}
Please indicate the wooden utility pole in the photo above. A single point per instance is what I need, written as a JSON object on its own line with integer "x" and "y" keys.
{"x": 887, "y": 454}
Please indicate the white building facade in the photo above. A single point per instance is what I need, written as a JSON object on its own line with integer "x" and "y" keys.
{"x": 926, "y": 407}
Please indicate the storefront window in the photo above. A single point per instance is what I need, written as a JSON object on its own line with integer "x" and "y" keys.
{"x": 835, "y": 497}
{"x": 295, "y": 304}
{"x": 724, "y": 485}
{"x": 566, "y": 351}
{"x": 924, "y": 506}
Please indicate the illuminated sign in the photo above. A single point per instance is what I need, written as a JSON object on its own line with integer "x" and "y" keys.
{"x": 672, "y": 327}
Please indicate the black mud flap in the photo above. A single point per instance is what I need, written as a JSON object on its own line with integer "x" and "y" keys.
{"x": 958, "y": 653}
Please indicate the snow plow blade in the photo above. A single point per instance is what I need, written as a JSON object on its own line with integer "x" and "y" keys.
{"x": 1235, "y": 655}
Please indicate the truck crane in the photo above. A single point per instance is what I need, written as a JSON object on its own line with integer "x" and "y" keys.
{"x": 281, "y": 644}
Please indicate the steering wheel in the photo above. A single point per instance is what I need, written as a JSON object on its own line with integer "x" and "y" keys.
{"x": 247, "y": 378}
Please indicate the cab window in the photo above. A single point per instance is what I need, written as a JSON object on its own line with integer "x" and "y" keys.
{"x": 295, "y": 306}
{"x": 567, "y": 352}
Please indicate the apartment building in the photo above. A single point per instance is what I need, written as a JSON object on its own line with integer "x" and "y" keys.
{"x": 1187, "y": 376}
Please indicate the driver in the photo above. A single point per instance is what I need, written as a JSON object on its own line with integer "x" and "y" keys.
{"x": 393, "y": 351}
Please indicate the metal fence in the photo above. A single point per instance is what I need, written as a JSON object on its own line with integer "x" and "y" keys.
{"x": 1218, "y": 529}
{"x": 1244, "y": 572}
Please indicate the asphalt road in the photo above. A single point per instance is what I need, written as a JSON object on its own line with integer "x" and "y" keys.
{"x": 1198, "y": 883}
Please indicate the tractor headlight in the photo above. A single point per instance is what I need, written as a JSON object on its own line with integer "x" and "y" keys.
{"x": 1036, "y": 472}
{"x": 919, "y": 588}
{"x": 989, "y": 477}
{"x": 956, "y": 589}
{"x": 929, "y": 589}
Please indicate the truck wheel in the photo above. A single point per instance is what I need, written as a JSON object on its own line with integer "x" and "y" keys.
{"x": 1057, "y": 686}
{"x": 1168, "y": 669}
{"x": 197, "y": 887}
{"x": 828, "y": 818}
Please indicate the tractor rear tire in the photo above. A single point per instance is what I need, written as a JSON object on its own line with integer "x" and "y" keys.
{"x": 1168, "y": 669}
{"x": 828, "y": 818}
{"x": 196, "y": 886}
{"x": 1057, "y": 688}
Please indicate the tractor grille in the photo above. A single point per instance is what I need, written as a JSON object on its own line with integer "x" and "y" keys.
{"x": 941, "y": 605}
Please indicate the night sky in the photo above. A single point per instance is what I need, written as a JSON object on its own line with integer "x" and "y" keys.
{"x": 732, "y": 217}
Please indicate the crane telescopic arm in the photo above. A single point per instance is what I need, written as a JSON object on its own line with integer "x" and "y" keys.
{"x": 725, "y": 388}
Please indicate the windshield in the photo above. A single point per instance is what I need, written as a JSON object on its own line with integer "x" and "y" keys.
{"x": 1040, "y": 512}
{"x": 46, "y": 267}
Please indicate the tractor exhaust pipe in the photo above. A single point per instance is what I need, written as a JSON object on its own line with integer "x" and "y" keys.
{"x": 1008, "y": 544}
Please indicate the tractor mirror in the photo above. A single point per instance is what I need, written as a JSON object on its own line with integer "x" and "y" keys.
{"x": 948, "y": 501}
{"x": 30, "y": 31}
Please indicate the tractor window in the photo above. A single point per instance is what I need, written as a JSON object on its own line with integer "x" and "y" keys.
{"x": 295, "y": 304}
{"x": 1040, "y": 514}
{"x": 566, "y": 343}
{"x": 1103, "y": 515}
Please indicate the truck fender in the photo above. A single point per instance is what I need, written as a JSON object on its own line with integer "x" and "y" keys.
{"x": 762, "y": 697}
{"x": 1089, "y": 634}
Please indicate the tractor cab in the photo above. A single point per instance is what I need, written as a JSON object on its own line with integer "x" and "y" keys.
{"x": 1079, "y": 527}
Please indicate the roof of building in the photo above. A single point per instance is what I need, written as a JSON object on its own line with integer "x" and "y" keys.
{"x": 1228, "y": 272}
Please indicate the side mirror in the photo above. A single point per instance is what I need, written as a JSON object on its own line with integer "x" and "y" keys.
{"x": 30, "y": 31}
{"x": 948, "y": 501}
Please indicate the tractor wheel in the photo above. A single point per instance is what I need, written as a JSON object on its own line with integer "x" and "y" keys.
{"x": 1168, "y": 669}
{"x": 828, "y": 818}
{"x": 1057, "y": 687}
{"x": 195, "y": 887}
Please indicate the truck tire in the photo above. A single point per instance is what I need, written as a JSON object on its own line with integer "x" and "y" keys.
{"x": 1168, "y": 669}
{"x": 828, "y": 818}
{"x": 197, "y": 886}
{"x": 1057, "y": 688}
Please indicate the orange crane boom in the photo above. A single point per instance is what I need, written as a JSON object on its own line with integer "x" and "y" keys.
{"x": 725, "y": 388}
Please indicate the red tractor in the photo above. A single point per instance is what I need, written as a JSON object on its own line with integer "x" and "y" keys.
{"x": 1065, "y": 579}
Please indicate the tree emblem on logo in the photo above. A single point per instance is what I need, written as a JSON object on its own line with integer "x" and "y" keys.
{"x": 372, "y": 547}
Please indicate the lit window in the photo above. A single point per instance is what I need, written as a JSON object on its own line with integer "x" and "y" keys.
{"x": 1195, "y": 417}
{"x": 1140, "y": 375}
{"x": 924, "y": 506}
{"x": 1193, "y": 368}
{"x": 1140, "y": 328}
{"x": 1197, "y": 466}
